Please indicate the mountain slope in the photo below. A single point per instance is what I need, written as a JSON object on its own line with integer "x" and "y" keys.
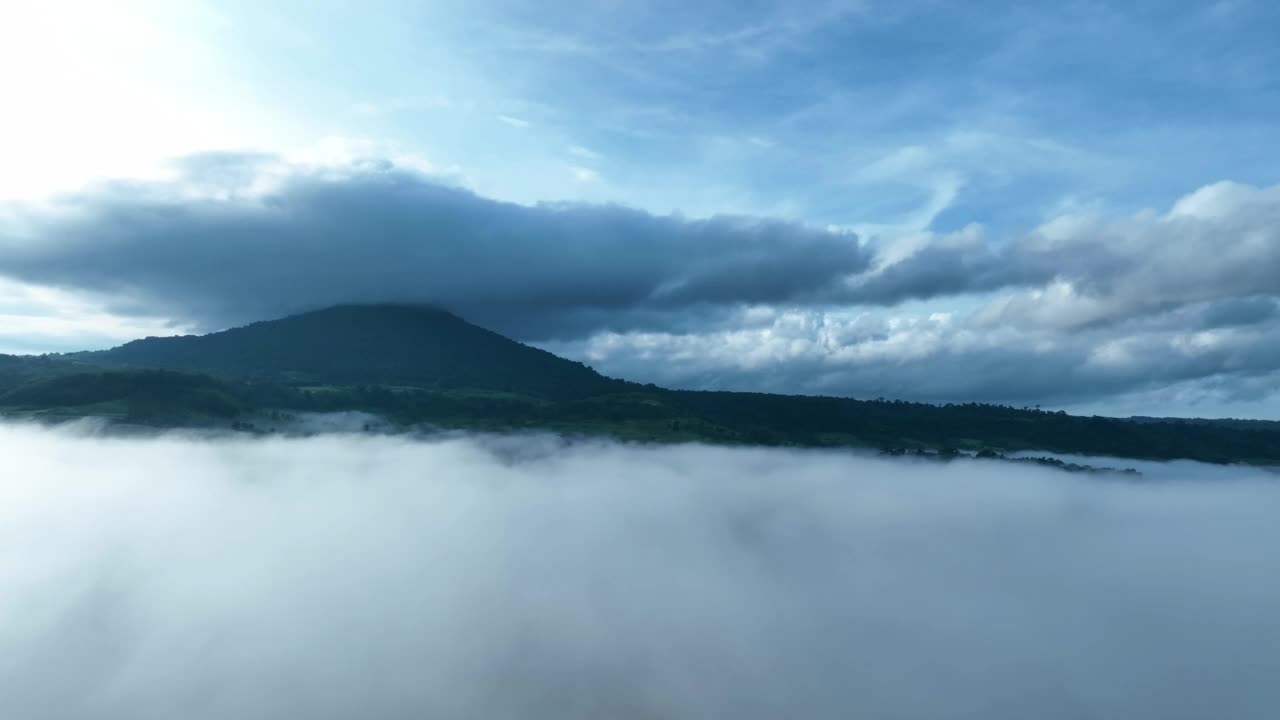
{"x": 368, "y": 344}
{"x": 140, "y": 395}
{"x": 18, "y": 370}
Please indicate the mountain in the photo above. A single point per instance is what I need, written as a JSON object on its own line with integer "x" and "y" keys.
{"x": 415, "y": 364}
{"x": 368, "y": 344}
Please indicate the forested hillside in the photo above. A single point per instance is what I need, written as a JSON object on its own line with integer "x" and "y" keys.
{"x": 386, "y": 344}
{"x": 416, "y": 364}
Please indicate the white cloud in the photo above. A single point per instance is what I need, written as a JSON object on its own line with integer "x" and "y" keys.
{"x": 342, "y": 153}
{"x": 584, "y": 153}
{"x": 36, "y": 319}
{"x": 514, "y": 122}
{"x": 584, "y": 174}
{"x": 923, "y": 354}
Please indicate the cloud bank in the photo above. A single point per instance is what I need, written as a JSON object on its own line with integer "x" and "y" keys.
{"x": 237, "y": 238}
{"x": 341, "y": 576}
{"x": 1082, "y": 308}
{"x": 1178, "y": 307}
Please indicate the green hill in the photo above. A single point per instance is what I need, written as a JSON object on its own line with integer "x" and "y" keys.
{"x": 18, "y": 370}
{"x": 152, "y": 396}
{"x": 368, "y": 344}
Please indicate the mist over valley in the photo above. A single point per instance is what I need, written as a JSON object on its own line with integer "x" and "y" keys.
{"x": 347, "y": 574}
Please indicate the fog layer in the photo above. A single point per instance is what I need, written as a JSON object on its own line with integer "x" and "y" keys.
{"x": 343, "y": 576}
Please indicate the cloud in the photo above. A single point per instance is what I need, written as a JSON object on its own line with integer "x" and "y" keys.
{"x": 241, "y": 236}
{"x": 37, "y": 319}
{"x": 514, "y": 122}
{"x": 342, "y": 576}
{"x": 584, "y": 174}
{"x": 1233, "y": 312}
{"x": 954, "y": 357}
{"x": 1220, "y": 241}
{"x": 585, "y": 153}
{"x": 1082, "y": 307}
{"x": 237, "y": 238}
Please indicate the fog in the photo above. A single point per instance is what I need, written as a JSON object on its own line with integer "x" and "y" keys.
{"x": 344, "y": 575}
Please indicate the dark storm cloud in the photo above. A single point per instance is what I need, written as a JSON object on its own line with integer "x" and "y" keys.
{"x": 946, "y": 268}
{"x": 1240, "y": 311}
{"x": 243, "y": 237}
{"x": 347, "y": 576}
{"x": 209, "y": 247}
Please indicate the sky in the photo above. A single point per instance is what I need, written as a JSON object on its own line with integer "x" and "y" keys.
{"x": 352, "y": 575}
{"x": 1067, "y": 204}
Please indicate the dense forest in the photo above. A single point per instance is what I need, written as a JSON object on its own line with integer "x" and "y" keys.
{"x": 417, "y": 365}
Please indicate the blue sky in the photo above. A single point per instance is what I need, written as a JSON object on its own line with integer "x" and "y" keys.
{"x": 849, "y": 113}
{"x": 914, "y": 127}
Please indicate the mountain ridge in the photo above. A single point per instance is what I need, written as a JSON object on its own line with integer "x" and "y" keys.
{"x": 416, "y": 364}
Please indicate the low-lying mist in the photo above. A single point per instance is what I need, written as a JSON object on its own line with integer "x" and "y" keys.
{"x": 349, "y": 576}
